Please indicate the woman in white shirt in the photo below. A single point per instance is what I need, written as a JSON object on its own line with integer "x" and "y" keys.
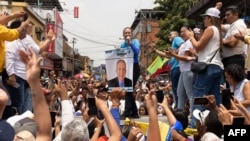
{"x": 208, "y": 48}
{"x": 235, "y": 77}
{"x": 185, "y": 85}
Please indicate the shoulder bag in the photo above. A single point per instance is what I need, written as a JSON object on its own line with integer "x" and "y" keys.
{"x": 200, "y": 67}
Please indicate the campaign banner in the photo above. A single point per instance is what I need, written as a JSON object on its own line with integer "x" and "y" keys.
{"x": 119, "y": 67}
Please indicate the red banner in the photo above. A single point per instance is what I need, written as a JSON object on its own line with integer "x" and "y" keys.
{"x": 51, "y": 47}
{"x": 76, "y": 12}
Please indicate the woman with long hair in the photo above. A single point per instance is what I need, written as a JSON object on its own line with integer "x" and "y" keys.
{"x": 208, "y": 48}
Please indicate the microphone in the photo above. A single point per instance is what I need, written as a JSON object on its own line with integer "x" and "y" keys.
{"x": 128, "y": 39}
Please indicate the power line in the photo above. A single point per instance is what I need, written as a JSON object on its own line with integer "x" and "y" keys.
{"x": 90, "y": 40}
{"x": 91, "y": 31}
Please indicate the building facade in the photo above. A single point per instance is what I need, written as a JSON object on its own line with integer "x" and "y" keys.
{"x": 145, "y": 27}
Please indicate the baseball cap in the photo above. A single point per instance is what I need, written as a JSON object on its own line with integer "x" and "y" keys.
{"x": 200, "y": 115}
{"x": 213, "y": 12}
{"x": 197, "y": 30}
{"x": 12, "y": 120}
{"x": 7, "y": 132}
{"x": 26, "y": 124}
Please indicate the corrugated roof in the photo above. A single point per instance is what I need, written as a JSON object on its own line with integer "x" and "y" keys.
{"x": 45, "y": 4}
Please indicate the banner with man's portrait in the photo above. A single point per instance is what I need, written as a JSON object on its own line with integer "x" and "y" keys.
{"x": 119, "y": 67}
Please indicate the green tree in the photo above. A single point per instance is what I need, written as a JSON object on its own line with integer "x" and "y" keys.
{"x": 175, "y": 18}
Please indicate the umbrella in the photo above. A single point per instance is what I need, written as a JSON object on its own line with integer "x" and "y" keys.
{"x": 78, "y": 75}
{"x": 85, "y": 75}
{"x": 81, "y": 75}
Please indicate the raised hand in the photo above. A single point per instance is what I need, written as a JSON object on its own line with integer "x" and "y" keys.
{"x": 51, "y": 35}
{"x": 151, "y": 101}
{"x": 224, "y": 116}
{"x": 211, "y": 101}
{"x": 234, "y": 109}
{"x": 135, "y": 134}
{"x": 116, "y": 95}
{"x": 19, "y": 14}
{"x": 61, "y": 90}
{"x": 189, "y": 33}
{"x": 32, "y": 64}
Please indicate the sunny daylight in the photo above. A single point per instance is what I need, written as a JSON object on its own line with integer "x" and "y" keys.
{"x": 124, "y": 70}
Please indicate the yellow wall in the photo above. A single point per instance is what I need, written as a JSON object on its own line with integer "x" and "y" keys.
{"x": 22, "y": 6}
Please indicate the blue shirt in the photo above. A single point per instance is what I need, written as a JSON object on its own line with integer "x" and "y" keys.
{"x": 116, "y": 114}
{"x": 135, "y": 45}
{"x": 176, "y": 43}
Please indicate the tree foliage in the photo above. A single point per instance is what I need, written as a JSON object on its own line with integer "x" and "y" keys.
{"x": 175, "y": 18}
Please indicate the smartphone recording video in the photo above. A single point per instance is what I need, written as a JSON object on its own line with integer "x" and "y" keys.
{"x": 160, "y": 96}
{"x": 92, "y": 107}
{"x": 238, "y": 120}
{"x": 200, "y": 101}
{"x": 227, "y": 95}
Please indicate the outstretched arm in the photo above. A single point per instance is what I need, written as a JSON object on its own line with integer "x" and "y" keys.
{"x": 153, "y": 128}
{"x": 41, "y": 109}
{"x": 113, "y": 128}
{"x": 161, "y": 53}
{"x": 171, "y": 118}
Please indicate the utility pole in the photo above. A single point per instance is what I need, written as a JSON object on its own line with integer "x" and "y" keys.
{"x": 73, "y": 60}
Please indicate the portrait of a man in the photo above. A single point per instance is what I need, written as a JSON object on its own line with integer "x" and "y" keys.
{"x": 121, "y": 80}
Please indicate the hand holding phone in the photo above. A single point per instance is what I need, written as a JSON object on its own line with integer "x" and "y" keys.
{"x": 227, "y": 95}
{"x": 92, "y": 107}
{"x": 200, "y": 101}
{"x": 25, "y": 17}
{"x": 238, "y": 120}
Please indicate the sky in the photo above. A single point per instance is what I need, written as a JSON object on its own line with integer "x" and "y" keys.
{"x": 99, "y": 25}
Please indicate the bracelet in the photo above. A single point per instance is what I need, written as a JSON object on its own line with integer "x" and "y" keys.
{"x": 96, "y": 129}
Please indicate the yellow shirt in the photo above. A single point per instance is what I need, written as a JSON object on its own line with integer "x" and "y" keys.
{"x": 247, "y": 39}
{"x": 6, "y": 35}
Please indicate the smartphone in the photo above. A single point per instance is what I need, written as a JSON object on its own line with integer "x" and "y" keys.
{"x": 159, "y": 96}
{"x": 25, "y": 17}
{"x": 92, "y": 107}
{"x": 53, "y": 117}
{"x": 238, "y": 120}
{"x": 200, "y": 101}
{"x": 226, "y": 96}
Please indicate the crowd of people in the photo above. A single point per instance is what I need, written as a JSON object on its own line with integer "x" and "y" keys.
{"x": 79, "y": 109}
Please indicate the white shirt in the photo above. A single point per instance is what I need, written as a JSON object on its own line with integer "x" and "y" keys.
{"x": 236, "y": 27}
{"x": 13, "y": 63}
{"x": 238, "y": 92}
{"x": 210, "y": 49}
{"x": 185, "y": 65}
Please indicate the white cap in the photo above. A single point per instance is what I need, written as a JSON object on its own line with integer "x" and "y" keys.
{"x": 213, "y": 12}
{"x": 12, "y": 120}
{"x": 197, "y": 30}
{"x": 200, "y": 115}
